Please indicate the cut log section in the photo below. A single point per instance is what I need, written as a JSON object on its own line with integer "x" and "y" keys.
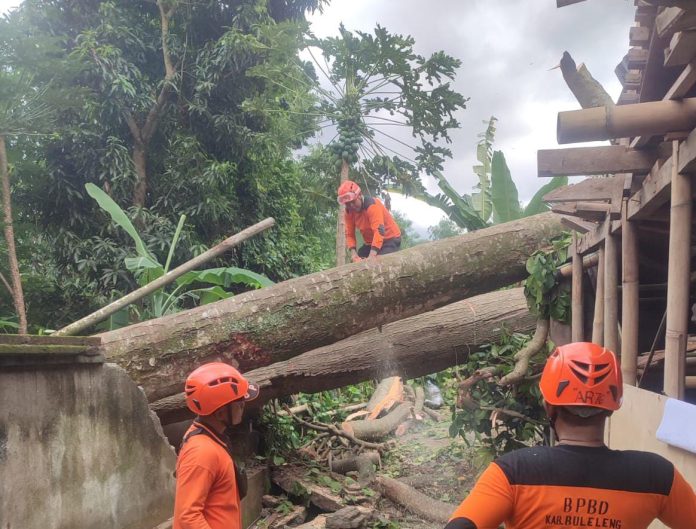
{"x": 279, "y": 322}
{"x": 412, "y": 347}
{"x": 416, "y": 502}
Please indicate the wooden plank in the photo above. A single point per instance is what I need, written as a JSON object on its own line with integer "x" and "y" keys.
{"x": 654, "y": 192}
{"x": 645, "y": 15}
{"x": 593, "y": 238}
{"x": 590, "y": 189}
{"x": 594, "y": 161}
{"x": 636, "y": 58}
{"x": 684, "y": 83}
{"x": 639, "y": 36}
{"x": 629, "y": 298}
{"x": 628, "y": 97}
{"x": 682, "y": 48}
{"x": 673, "y": 19}
{"x": 577, "y": 324}
{"x": 592, "y": 211}
{"x": 687, "y": 155}
{"x": 611, "y": 292}
{"x": 579, "y": 225}
{"x": 632, "y": 80}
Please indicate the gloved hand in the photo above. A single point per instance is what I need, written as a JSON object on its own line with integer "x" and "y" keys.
{"x": 356, "y": 258}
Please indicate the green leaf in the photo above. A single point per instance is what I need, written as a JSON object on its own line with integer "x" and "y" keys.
{"x": 210, "y": 295}
{"x": 175, "y": 240}
{"x": 537, "y": 204}
{"x": 119, "y": 217}
{"x": 506, "y": 203}
{"x": 225, "y": 277}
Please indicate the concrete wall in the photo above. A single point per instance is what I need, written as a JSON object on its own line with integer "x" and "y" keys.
{"x": 633, "y": 427}
{"x": 79, "y": 448}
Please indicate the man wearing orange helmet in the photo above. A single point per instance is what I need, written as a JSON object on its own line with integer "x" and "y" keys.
{"x": 208, "y": 482}
{"x": 377, "y": 227}
{"x": 579, "y": 483}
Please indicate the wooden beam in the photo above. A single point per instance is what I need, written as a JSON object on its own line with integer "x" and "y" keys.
{"x": 636, "y": 58}
{"x": 611, "y": 292}
{"x": 594, "y": 161}
{"x": 653, "y": 193}
{"x": 645, "y": 15}
{"x": 577, "y": 327}
{"x": 632, "y": 80}
{"x": 589, "y": 190}
{"x": 629, "y": 298}
{"x": 678, "y": 281}
{"x": 674, "y": 19}
{"x": 581, "y": 226}
{"x": 598, "y": 318}
{"x": 593, "y": 238}
{"x": 684, "y": 83}
{"x": 682, "y": 48}
{"x": 639, "y": 36}
{"x": 591, "y": 211}
{"x": 687, "y": 155}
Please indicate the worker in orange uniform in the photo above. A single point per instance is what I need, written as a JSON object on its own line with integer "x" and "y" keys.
{"x": 209, "y": 484}
{"x": 377, "y": 227}
{"x": 579, "y": 483}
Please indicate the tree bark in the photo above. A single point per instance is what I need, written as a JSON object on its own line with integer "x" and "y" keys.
{"x": 412, "y": 347}
{"x": 341, "y": 222}
{"x": 15, "y": 278}
{"x": 276, "y": 323}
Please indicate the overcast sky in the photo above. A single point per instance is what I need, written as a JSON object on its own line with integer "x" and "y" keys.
{"x": 507, "y": 48}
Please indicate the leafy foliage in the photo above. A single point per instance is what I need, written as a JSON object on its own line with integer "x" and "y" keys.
{"x": 443, "y": 230}
{"x": 511, "y": 432}
{"x": 546, "y": 296}
{"x": 146, "y": 269}
{"x": 496, "y": 199}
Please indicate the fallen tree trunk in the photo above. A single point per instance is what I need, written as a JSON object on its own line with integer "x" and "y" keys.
{"x": 276, "y": 323}
{"x": 416, "y": 502}
{"x": 411, "y": 347}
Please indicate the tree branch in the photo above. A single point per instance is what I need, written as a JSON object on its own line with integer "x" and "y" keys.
{"x": 526, "y": 353}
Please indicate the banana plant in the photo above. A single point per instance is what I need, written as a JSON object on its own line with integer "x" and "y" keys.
{"x": 146, "y": 268}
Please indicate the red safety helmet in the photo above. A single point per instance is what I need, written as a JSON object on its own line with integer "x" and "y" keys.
{"x": 582, "y": 374}
{"x": 348, "y": 191}
{"x": 213, "y": 385}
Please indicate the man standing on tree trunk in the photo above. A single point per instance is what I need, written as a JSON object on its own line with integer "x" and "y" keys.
{"x": 377, "y": 227}
{"x": 580, "y": 482}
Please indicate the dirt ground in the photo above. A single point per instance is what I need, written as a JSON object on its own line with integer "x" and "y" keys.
{"x": 435, "y": 464}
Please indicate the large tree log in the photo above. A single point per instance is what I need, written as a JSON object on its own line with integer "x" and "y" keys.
{"x": 412, "y": 347}
{"x": 276, "y": 323}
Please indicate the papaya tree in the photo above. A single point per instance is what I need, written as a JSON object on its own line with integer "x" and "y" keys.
{"x": 377, "y": 82}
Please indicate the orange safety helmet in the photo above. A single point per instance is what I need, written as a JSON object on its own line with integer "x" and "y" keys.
{"x": 215, "y": 384}
{"x": 582, "y": 374}
{"x": 348, "y": 191}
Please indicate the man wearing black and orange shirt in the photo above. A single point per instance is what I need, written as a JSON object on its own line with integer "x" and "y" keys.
{"x": 208, "y": 482}
{"x": 377, "y": 227}
{"x": 579, "y": 483}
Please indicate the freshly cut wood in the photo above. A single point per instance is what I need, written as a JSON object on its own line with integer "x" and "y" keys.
{"x": 277, "y": 323}
{"x": 376, "y": 429}
{"x": 586, "y": 89}
{"x": 416, "y": 502}
{"x": 411, "y": 347}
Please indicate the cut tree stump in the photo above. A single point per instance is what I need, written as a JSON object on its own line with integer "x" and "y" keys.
{"x": 277, "y": 323}
{"x": 410, "y": 348}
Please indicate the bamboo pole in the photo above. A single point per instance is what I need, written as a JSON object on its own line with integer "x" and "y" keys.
{"x": 678, "y": 280}
{"x": 626, "y": 121}
{"x": 166, "y": 279}
{"x": 577, "y": 323}
{"x": 611, "y": 290}
{"x": 598, "y": 318}
{"x": 588, "y": 261}
{"x": 629, "y": 297}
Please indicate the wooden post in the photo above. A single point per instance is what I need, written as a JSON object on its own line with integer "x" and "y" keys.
{"x": 611, "y": 289}
{"x": 629, "y": 297}
{"x": 598, "y": 319}
{"x": 678, "y": 280}
{"x": 577, "y": 324}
